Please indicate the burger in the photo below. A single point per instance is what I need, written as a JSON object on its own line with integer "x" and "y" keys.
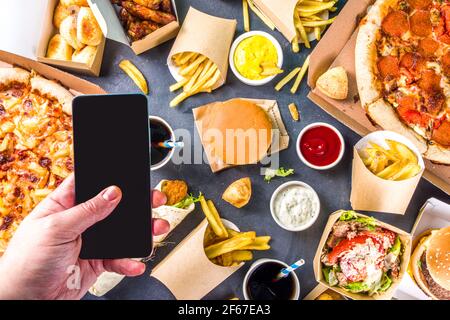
{"x": 430, "y": 263}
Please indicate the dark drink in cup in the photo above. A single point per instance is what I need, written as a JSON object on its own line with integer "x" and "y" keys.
{"x": 160, "y": 131}
{"x": 263, "y": 284}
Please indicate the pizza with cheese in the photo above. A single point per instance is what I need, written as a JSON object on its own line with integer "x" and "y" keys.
{"x": 402, "y": 60}
{"x": 35, "y": 144}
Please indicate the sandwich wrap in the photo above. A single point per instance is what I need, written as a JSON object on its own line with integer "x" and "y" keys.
{"x": 174, "y": 216}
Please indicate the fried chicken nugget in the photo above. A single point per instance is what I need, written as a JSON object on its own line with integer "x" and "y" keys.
{"x": 145, "y": 13}
{"x": 175, "y": 191}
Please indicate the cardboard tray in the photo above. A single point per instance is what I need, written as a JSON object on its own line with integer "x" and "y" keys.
{"x": 337, "y": 48}
{"x": 317, "y": 265}
{"x": 106, "y": 14}
{"x": 434, "y": 214}
{"x": 76, "y": 85}
{"x": 48, "y": 31}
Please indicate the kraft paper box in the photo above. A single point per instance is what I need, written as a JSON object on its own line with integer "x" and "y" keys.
{"x": 205, "y": 34}
{"x": 337, "y": 48}
{"x": 106, "y": 14}
{"x": 187, "y": 272}
{"x": 281, "y": 13}
{"x": 48, "y": 31}
{"x": 371, "y": 193}
{"x": 387, "y": 295}
{"x": 316, "y": 292}
{"x": 272, "y": 109}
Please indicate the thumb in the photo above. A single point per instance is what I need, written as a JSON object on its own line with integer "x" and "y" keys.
{"x": 79, "y": 218}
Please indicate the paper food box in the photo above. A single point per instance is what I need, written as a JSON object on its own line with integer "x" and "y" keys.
{"x": 434, "y": 214}
{"x": 49, "y": 30}
{"x": 320, "y": 292}
{"x": 205, "y": 34}
{"x": 371, "y": 193}
{"x": 107, "y": 15}
{"x": 189, "y": 261}
{"x": 405, "y": 239}
{"x": 337, "y": 48}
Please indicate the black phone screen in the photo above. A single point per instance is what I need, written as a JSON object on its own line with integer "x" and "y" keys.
{"x": 111, "y": 147}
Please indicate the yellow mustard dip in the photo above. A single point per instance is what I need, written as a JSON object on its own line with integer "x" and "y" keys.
{"x": 251, "y": 53}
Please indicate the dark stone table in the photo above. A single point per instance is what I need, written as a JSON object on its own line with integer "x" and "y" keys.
{"x": 333, "y": 186}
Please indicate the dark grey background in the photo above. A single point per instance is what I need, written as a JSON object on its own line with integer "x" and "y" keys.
{"x": 333, "y": 186}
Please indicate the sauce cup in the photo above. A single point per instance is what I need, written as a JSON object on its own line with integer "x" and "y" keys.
{"x": 315, "y": 199}
{"x": 311, "y": 165}
{"x": 233, "y": 50}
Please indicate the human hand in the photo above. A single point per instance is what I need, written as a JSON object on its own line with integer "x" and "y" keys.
{"x": 42, "y": 258}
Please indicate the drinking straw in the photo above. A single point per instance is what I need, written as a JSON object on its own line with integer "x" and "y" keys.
{"x": 285, "y": 272}
{"x": 169, "y": 144}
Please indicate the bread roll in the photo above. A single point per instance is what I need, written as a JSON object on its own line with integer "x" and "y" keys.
{"x": 68, "y": 31}
{"x": 58, "y": 48}
{"x": 62, "y": 12}
{"x": 82, "y": 3}
{"x": 85, "y": 55}
{"x": 88, "y": 30}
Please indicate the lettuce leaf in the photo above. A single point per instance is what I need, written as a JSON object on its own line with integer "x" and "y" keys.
{"x": 397, "y": 247}
{"x": 187, "y": 201}
{"x": 269, "y": 173}
{"x": 357, "y": 287}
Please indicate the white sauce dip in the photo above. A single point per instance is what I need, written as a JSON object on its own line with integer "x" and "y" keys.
{"x": 295, "y": 206}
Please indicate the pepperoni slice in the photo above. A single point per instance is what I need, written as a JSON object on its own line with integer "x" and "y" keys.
{"x": 430, "y": 81}
{"x": 395, "y": 24}
{"x": 419, "y": 4}
{"x": 388, "y": 67}
{"x": 442, "y": 134}
{"x": 407, "y": 111}
{"x": 428, "y": 47}
{"x": 421, "y": 23}
{"x": 434, "y": 102}
{"x": 412, "y": 61}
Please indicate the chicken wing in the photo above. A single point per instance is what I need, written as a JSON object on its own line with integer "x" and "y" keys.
{"x": 139, "y": 29}
{"x": 145, "y": 13}
{"x": 166, "y": 6}
{"x": 151, "y": 4}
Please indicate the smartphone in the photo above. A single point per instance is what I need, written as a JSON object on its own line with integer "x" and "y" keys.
{"x": 112, "y": 147}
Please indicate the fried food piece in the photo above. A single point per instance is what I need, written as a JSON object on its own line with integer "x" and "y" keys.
{"x": 166, "y": 6}
{"x": 294, "y": 112}
{"x": 133, "y": 72}
{"x": 62, "y": 12}
{"x": 334, "y": 83}
{"x": 238, "y": 193}
{"x": 126, "y": 18}
{"x": 175, "y": 191}
{"x": 148, "y": 14}
{"x": 235, "y": 243}
{"x": 151, "y": 4}
{"x": 140, "y": 29}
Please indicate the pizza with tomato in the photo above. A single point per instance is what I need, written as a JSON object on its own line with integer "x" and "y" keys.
{"x": 35, "y": 144}
{"x": 402, "y": 60}
{"x": 360, "y": 256}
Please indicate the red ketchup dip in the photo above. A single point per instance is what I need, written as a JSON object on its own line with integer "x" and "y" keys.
{"x": 320, "y": 146}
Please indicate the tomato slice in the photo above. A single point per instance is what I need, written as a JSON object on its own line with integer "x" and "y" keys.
{"x": 344, "y": 246}
{"x": 348, "y": 244}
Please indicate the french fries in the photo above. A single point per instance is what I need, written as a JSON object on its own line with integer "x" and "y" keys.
{"x": 199, "y": 75}
{"x": 245, "y": 16}
{"x": 396, "y": 163}
{"x": 138, "y": 78}
{"x": 308, "y": 20}
{"x": 299, "y": 72}
{"x": 227, "y": 247}
{"x": 294, "y": 112}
